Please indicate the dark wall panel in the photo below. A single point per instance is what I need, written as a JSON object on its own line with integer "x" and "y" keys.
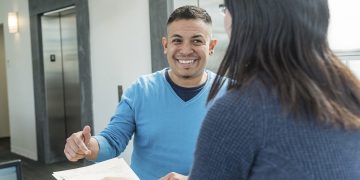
{"x": 159, "y": 10}
{"x": 41, "y": 6}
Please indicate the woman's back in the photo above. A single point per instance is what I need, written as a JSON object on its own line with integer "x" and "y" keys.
{"x": 255, "y": 139}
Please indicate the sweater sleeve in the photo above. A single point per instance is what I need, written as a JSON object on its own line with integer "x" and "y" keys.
{"x": 228, "y": 140}
{"x": 115, "y": 137}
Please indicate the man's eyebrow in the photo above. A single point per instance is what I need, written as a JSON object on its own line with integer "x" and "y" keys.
{"x": 176, "y": 36}
{"x": 198, "y": 36}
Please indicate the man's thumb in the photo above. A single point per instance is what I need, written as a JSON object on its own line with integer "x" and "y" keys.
{"x": 86, "y": 134}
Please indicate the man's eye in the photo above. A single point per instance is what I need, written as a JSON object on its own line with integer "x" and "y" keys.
{"x": 176, "y": 41}
{"x": 197, "y": 42}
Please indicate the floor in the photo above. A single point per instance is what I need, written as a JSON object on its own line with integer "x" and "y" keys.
{"x": 33, "y": 170}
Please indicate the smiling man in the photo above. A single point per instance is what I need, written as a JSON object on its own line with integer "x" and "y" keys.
{"x": 163, "y": 110}
{"x": 188, "y": 46}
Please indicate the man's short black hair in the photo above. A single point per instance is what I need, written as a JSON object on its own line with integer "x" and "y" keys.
{"x": 189, "y": 12}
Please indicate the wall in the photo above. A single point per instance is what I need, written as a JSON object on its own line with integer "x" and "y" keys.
{"x": 120, "y": 52}
{"x": 19, "y": 78}
{"x": 344, "y": 27}
{"x": 344, "y": 30}
{"x": 4, "y": 109}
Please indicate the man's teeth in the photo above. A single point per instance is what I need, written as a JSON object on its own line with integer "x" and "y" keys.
{"x": 186, "y": 61}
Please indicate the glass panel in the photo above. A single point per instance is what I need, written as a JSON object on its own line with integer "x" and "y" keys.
{"x": 345, "y": 62}
{"x": 178, "y": 3}
{"x": 354, "y": 65}
{"x": 352, "y": 60}
{"x": 212, "y": 7}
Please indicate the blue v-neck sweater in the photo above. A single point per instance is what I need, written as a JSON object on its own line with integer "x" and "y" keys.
{"x": 165, "y": 127}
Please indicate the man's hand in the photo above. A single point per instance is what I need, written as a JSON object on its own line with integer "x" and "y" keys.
{"x": 77, "y": 145}
{"x": 174, "y": 176}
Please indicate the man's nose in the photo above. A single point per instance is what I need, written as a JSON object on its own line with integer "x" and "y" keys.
{"x": 186, "y": 49}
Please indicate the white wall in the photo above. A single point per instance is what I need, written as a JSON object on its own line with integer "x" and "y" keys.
{"x": 344, "y": 31}
{"x": 4, "y": 110}
{"x": 20, "y": 80}
{"x": 120, "y": 52}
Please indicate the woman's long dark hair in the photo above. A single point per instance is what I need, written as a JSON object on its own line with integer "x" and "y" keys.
{"x": 286, "y": 42}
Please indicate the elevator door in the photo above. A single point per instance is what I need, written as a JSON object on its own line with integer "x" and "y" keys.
{"x": 61, "y": 72}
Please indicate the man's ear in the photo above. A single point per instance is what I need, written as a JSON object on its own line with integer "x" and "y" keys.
{"x": 164, "y": 44}
{"x": 213, "y": 43}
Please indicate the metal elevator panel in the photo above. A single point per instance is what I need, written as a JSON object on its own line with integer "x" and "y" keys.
{"x": 61, "y": 72}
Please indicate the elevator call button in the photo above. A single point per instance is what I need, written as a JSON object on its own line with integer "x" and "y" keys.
{"x": 52, "y": 57}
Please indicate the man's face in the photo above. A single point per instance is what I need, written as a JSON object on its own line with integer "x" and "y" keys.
{"x": 187, "y": 47}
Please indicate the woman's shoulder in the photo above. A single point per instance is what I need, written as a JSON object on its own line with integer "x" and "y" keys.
{"x": 255, "y": 91}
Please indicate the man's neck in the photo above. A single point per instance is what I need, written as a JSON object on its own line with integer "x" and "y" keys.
{"x": 188, "y": 82}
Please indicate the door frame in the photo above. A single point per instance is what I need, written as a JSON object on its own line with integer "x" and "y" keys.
{"x": 36, "y": 9}
{"x": 2, "y": 34}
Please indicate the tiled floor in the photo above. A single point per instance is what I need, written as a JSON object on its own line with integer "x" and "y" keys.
{"x": 33, "y": 170}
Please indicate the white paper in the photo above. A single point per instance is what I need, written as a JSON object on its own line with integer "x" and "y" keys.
{"x": 112, "y": 169}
